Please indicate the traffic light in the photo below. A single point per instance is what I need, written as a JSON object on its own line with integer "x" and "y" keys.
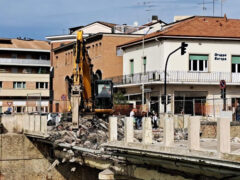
{"x": 163, "y": 99}
{"x": 223, "y": 93}
{"x": 183, "y": 48}
{"x": 168, "y": 99}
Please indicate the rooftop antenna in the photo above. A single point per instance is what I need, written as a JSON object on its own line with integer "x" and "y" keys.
{"x": 222, "y": 7}
{"x": 203, "y": 5}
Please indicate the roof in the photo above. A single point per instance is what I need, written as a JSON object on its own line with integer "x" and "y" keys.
{"x": 93, "y": 38}
{"x": 111, "y": 25}
{"x": 25, "y": 44}
{"x": 199, "y": 26}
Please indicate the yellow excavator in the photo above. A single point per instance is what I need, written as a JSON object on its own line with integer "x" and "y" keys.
{"x": 89, "y": 95}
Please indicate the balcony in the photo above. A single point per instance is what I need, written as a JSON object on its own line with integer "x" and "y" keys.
{"x": 178, "y": 77}
{"x": 24, "y": 62}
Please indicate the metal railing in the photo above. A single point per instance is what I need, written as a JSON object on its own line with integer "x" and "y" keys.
{"x": 34, "y": 62}
{"x": 177, "y": 76}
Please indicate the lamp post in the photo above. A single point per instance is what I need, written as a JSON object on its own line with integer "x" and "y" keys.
{"x": 183, "y": 51}
{"x": 142, "y": 64}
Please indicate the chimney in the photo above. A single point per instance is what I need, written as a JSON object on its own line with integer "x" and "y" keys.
{"x": 154, "y": 18}
{"x": 225, "y": 17}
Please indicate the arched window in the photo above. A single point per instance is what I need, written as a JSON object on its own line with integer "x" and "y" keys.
{"x": 98, "y": 74}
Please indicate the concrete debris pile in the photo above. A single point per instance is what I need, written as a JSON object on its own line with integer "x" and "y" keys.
{"x": 94, "y": 132}
{"x": 235, "y": 140}
{"x": 91, "y": 133}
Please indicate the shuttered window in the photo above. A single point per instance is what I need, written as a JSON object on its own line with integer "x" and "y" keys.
{"x": 236, "y": 64}
{"x": 131, "y": 66}
{"x": 198, "y": 63}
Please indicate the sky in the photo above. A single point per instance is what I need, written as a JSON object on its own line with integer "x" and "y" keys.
{"x": 40, "y": 18}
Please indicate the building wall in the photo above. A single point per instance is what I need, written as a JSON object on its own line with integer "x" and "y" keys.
{"x": 63, "y": 66}
{"x": 157, "y": 52}
{"x": 104, "y": 56}
{"x": 95, "y": 28}
{"x": 20, "y": 99}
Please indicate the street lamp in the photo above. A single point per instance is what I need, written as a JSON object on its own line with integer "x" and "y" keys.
{"x": 183, "y": 51}
{"x": 142, "y": 64}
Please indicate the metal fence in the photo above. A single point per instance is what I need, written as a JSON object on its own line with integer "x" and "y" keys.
{"x": 177, "y": 76}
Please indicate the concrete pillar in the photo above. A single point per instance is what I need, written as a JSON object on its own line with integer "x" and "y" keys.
{"x": 106, "y": 175}
{"x": 194, "y": 132}
{"x": 44, "y": 125}
{"x": 147, "y": 130}
{"x": 185, "y": 120}
{"x": 31, "y": 123}
{"x": 75, "y": 111}
{"x": 175, "y": 119}
{"x": 113, "y": 128}
{"x": 223, "y": 135}
{"x": 168, "y": 131}
{"x": 128, "y": 131}
{"x": 37, "y": 123}
{"x": 26, "y": 123}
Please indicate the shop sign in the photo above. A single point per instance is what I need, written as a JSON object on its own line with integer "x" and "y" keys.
{"x": 220, "y": 57}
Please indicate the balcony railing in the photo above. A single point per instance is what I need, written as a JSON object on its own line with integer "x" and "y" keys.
{"x": 24, "y": 62}
{"x": 177, "y": 77}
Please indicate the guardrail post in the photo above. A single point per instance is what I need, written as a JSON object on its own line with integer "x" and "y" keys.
{"x": 147, "y": 130}
{"x": 128, "y": 131}
{"x": 223, "y": 135}
{"x": 168, "y": 131}
{"x": 194, "y": 133}
{"x": 112, "y": 128}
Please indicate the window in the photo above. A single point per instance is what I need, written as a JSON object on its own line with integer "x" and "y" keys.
{"x": 144, "y": 64}
{"x": 43, "y": 57}
{"x": 0, "y": 84}
{"x": 19, "y": 109}
{"x": 14, "y": 55}
{"x": 41, "y": 85}
{"x": 235, "y": 64}
{"x": 28, "y": 56}
{"x": 19, "y": 85}
{"x": 198, "y": 63}
{"x": 131, "y": 66}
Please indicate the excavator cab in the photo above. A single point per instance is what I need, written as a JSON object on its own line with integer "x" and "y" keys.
{"x": 103, "y": 99}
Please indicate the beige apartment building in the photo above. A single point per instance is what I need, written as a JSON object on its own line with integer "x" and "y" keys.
{"x": 24, "y": 75}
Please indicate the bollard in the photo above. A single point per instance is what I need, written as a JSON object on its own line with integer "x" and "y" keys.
{"x": 106, "y": 175}
{"x": 194, "y": 132}
{"x": 223, "y": 135}
{"x": 168, "y": 131}
{"x": 113, "y": 128}
{"x": 147, "y": 131}
{"x": 128, "y": 131}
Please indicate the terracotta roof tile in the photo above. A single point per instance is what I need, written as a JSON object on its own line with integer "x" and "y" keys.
{"x": 199, "y": 26}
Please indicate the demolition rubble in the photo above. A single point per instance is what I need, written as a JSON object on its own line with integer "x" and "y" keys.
{"x": 94, "y": 132}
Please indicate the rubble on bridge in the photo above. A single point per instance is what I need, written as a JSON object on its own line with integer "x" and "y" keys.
{"x": 94, "y": 132}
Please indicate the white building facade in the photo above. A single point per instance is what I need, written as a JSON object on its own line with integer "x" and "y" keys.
{"x": 192, "y": 79}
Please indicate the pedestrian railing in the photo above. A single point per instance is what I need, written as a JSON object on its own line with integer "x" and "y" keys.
{"x": 177, "y": 76}
{"x": 170, "y": 123}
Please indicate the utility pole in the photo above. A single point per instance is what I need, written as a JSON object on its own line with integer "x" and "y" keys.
{"x": 142, "y": 62}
